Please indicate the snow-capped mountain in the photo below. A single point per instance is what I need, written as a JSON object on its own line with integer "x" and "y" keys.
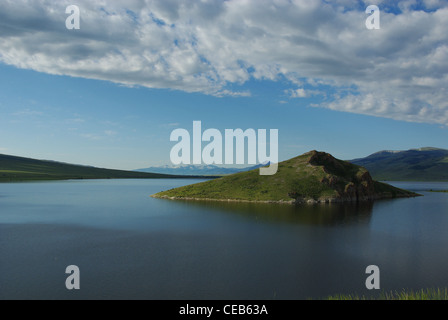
{"x": 195, "y": 170}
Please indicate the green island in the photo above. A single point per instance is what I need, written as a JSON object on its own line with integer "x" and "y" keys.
{"x": 14, "y": 169}
{"x": 431, "y": 190}
{"x": 423, "y": 294}
{"x": 314, "y": 177}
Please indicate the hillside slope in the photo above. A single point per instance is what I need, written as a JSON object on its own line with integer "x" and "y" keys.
{"x": 424, "y": 164}
{"x": 14, "y": 168}
{"x": 312, "y": 177}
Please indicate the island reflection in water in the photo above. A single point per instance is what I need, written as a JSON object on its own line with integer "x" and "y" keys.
{"x": 315, "y": 214}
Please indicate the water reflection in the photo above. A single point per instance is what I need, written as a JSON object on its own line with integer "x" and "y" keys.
{"x": 319, "y": 214}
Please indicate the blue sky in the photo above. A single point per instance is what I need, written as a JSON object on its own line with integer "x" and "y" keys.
{"x": 111, "y": 94}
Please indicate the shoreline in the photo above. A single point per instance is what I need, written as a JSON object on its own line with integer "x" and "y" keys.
{"x": 292, "y": 201}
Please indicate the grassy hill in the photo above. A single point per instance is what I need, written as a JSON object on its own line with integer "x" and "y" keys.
{"x": 424, "y": 164}
{"x": 14, "y": 168}
{"x": 311, "y": 177}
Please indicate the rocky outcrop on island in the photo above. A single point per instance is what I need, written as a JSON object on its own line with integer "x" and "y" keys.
{"x": 314, "y": 177}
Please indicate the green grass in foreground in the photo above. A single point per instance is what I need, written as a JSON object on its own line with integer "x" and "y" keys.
{"x": 423, "y": 294}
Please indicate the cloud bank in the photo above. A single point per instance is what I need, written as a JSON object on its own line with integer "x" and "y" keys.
{"x": 398, "y": 72}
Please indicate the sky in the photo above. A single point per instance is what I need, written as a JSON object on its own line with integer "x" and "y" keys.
{"x": 110, "y": 93}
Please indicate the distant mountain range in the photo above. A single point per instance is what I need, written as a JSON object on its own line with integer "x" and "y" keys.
{"x": 423, "y": 164}
{"x": 197, "y": 170}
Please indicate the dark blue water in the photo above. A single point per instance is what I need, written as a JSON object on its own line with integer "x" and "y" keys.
{"x": 128, "y": 245}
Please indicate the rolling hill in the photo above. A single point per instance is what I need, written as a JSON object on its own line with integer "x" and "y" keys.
{"x": 14, "y": 168}
{"x": 313, "y": 177}
{"x": 424, "y": 164}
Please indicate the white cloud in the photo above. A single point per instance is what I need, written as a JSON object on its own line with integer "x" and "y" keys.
{"x": 399, "y": 71}
{"x": 302, "y": 93}
{"x": 433, "y": 4}
{"x": 298, "y": 93}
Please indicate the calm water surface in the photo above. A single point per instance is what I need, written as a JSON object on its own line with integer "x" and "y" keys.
{"x": 131, "y": 246}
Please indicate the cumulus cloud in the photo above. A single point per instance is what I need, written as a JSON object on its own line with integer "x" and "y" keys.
{"x": 298, "y": 93}
{"x": 399, "y": 71}
{"x": 302, "y": 93}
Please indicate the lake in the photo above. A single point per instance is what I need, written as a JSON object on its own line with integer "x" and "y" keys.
{"x": 128, "y": 245}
